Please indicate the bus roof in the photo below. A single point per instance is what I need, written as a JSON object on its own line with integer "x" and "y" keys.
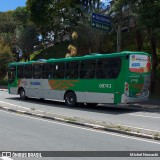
{"x": 89, "y": 56}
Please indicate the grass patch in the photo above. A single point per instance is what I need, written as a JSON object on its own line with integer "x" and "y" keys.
{"x": 36, "y": 53}
{"x": 156, "y": 136}
{"x": 56, "y": 51}
{"x": 70, "y": 119}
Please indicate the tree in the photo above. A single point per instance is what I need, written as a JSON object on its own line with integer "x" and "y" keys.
{"x": 54, "y": 16}
{"x": 7, "y": 26}
{"x": 17, "y": 31}
{"x": 5, "y": 58}
{"x": 25, "y": 39}
{"x": 44, "y": 13}
{"x": 21, "y": 16}
{"x": 7, "y": 22}
{"x": 25, "y": 33}
{"x": 147, "y": 18}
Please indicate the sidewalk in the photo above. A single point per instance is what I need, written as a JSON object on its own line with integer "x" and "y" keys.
{"x": 151, "y": 105}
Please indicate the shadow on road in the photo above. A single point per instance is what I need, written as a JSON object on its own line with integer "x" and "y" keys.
{"x": 101, "y": 108}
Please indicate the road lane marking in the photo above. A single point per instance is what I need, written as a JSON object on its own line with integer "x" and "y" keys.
{"x": 139, "y": 115}
{"x": 88, "y": 129}
{"x": 5, "y": 158}
{"x": 15, "y": 105}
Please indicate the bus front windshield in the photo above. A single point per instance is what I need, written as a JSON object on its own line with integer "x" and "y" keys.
{"x": 139, "y": 63}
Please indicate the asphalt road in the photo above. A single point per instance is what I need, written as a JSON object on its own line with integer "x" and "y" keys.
{"x": 22, "y": 133}
{"x": 129, "y": 117}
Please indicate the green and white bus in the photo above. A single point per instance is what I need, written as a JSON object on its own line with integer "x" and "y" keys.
{"x": 92, "y": 79}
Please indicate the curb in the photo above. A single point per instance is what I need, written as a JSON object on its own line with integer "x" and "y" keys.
{"x": 130, "y": 131}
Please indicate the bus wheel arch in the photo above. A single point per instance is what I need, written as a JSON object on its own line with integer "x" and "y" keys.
{"x": 22, "y": 93}
{"x": 70, "y": 98}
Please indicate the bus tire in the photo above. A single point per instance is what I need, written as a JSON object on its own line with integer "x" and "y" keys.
{"x": 70, "y": 99}
{"x": 22, "y": 94}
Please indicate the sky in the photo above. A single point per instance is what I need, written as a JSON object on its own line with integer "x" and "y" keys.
{"x": 6, "y": 5}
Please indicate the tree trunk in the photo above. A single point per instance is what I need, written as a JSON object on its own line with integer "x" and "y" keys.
{"x": 139, "y": 40}
{"x": 153, "y": 42}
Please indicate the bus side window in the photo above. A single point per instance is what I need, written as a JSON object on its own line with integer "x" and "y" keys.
{"x": 47, "y": 71}
{"x": 100, "y": 70}
{"x": 37, "y": 71}
{"x": 116, "y": 67}
{"x": 108, "y": 68}
{"x": 71, "y": 70}
{"x": 87, "y": 69}
{"x": 28, "y": 71}
{"x": 58, "y": 70}
{"x": 20, "y": 72}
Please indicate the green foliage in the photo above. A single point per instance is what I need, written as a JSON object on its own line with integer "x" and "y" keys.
{"x": 17, "y": 30}
{"x": 39, "y": 11}
{"x": 3, "y": 82}
{"x": 21, "y": 15}
{"x": 25, "y": 33}
{"x": 56, "y": 51}
{"x": 60, "y": 17}
{"x": 5, "y": 58}
{"x": 50, "y": 13}
{"x": 7, "y": 22}
{"x": 148, "y": 12}
{"x": 89, "y": 40}
{"x": 7, "y": 26}
{"x": 145, "y": 14}
{"x": 26, "y": 37}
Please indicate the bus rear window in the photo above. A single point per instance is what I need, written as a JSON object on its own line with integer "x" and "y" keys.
{"x": 139, "y": 63}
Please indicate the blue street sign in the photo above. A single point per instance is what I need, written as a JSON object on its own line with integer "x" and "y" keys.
{"x": 101, "y": 26}
{"x": 101, "y": 18}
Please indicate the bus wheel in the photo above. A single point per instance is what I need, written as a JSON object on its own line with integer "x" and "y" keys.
{"x": 70, "y": 99}
{"x": 22, "y": 94}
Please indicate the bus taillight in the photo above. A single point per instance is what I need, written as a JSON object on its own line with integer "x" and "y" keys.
{"x": 126, "y": 89}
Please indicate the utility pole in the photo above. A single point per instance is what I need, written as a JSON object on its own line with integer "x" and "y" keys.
{"x": 119, "y": 36}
